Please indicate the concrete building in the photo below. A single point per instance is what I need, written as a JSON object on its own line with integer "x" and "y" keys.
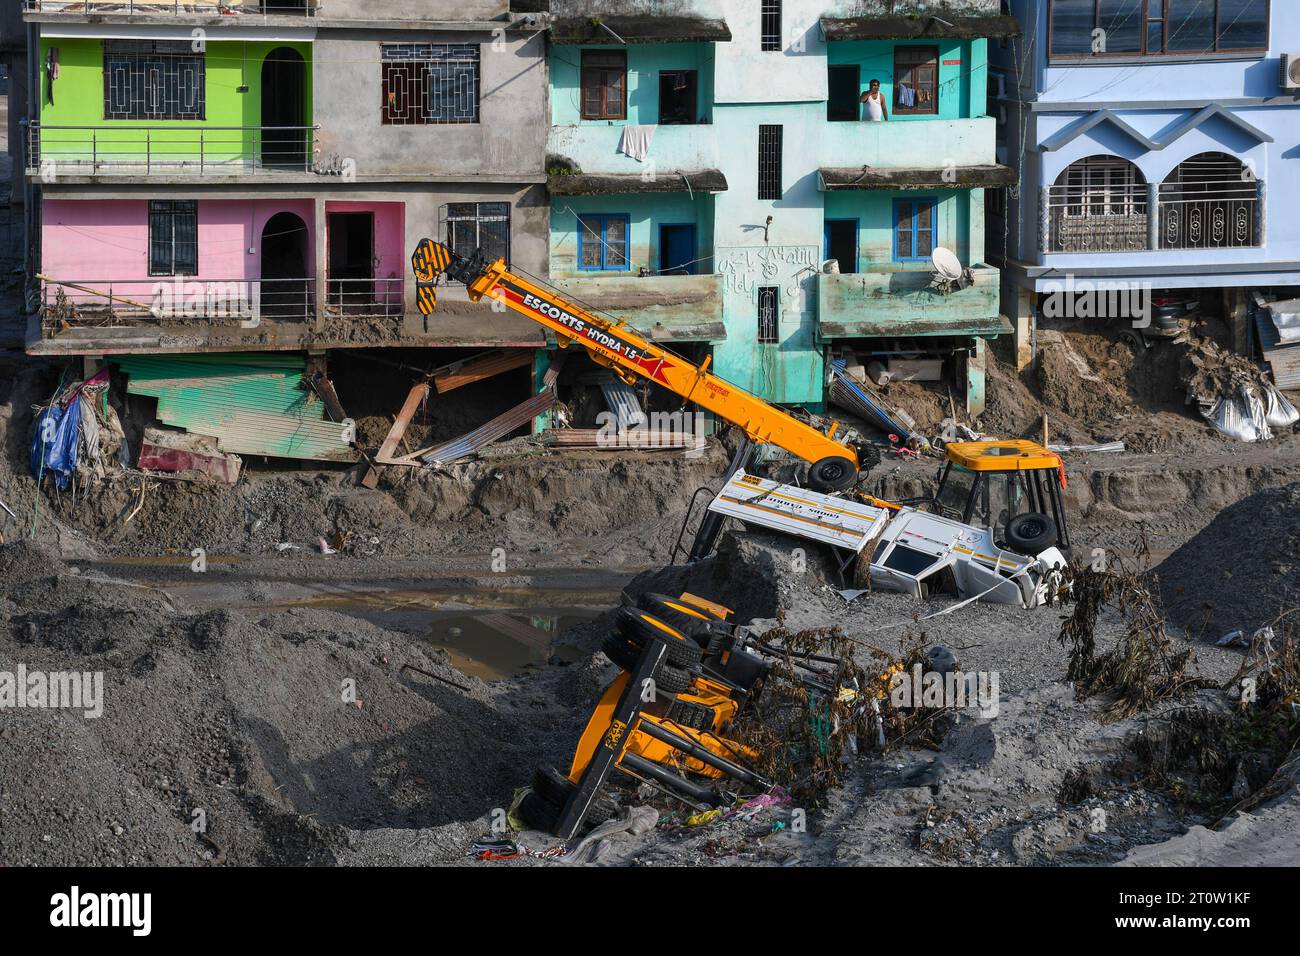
{"x": 705, "y": 163}
{"x": 251, "y": 176}
{"x": 1154, "y": 147}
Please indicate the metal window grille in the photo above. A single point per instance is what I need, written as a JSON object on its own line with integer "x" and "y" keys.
{"x": 173, "y": 237}
{"x": 1209, "y": 202}
{"x": 916, "y": 80}
{"x": 153, "y": 80}
{"x": 767, "y": 312}
{"x": 1098, "y": 204}
{"x": 769, "y": 162}
{"x": 430, "y": 83}
{"x": 604, "y": 84}
{"x": 479, "y": 225}
{"x": 771, "y": 25}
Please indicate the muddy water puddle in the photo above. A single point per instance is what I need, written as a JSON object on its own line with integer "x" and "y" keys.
{"x": 492, "y": 635}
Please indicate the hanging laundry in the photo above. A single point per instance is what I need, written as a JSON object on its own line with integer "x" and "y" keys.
{"x": 906, "y": 96}
{"x": 636, "y": 141}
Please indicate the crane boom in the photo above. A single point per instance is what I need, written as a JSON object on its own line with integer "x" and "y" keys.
{"x": 632, "y": 356}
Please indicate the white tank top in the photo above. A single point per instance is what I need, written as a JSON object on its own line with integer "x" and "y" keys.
{"x": 874, "y": 113}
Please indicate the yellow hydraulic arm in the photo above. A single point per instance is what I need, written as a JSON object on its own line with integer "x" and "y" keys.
{"x": 631, "y": 356}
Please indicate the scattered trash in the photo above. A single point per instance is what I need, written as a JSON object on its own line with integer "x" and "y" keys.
{"x": 287, "y": 546}
{"x": 325, "y": 548}
{"x": 1105, "y": 448}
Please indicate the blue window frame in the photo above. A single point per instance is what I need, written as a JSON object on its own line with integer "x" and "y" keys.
{"x": 916, "y": 225}
{"x": 602, "y": 242}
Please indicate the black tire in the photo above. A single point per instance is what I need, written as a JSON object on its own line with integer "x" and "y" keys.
{"x": 669, "y": 679}
{"x": 672, "y": 680}
{"x": 539, "y": 813}
{"x": 553, "y": 786}
{"x": 697, "y": 628}
{"x": 621, "y": 651}
{"x": 1031, "y": 533}
{"x": 641, "y": 626}
{"x": 832, "y": 474}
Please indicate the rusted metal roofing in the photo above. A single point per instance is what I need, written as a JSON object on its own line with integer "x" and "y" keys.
{"x": 664, "y": 181}
{"x": 642, "y": 29}
{"x": 920, "y": 27}
{"x": 949, "y": 177}
{"x": 252, "y": 403}
{"x": 1284, "y": 360}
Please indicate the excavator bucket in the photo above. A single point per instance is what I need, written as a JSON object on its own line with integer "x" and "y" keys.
{"x": 429, "y": 261}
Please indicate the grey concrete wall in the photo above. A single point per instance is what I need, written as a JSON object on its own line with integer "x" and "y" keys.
{"x": 509, "y": 139}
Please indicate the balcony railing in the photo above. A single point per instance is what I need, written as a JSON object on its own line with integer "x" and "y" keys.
{"x": 167, "y": 300}
{"x": 1199, "y": 216}
{"x": 130, "y": 150}
{"x": 276, "y": 8}
{"x": 366, "y": 298}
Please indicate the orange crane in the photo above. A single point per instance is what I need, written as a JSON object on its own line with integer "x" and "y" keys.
{"x": 632, "y": 356}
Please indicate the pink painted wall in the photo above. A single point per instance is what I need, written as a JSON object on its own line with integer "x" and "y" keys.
{"x": 390, "y": 232}
{"x": 91, "y": 241}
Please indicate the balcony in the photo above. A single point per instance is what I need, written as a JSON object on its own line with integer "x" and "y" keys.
{"x": 906, "y": 303}
{"x": 593, "y": 149}
{"x": 159, "y": 303}
{"x": 117, "y": 150}
{"x": 666, "y": 308}
{"x": 231, "y": 9}
{"x": 923, "y": 144}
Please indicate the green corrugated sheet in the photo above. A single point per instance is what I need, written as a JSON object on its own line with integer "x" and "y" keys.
{"x": 252, "y": 403}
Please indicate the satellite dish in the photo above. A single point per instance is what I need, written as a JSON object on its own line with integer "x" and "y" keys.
{"x": 947, "y": 264}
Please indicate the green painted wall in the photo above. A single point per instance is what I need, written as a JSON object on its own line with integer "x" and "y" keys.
{"x": 644, "y": 63}
{"x": 875, "y": 214}
{"x": 646, "y": 212}
{"x": 963, "y": 85}
{"x": 79, "y": 101}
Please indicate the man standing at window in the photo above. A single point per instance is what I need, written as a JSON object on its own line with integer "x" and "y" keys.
{"x": 875, "y": 110}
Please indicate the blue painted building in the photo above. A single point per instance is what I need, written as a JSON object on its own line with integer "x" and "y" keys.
{"x": 705, "y": 163}
{"x": 1156, "y": 149}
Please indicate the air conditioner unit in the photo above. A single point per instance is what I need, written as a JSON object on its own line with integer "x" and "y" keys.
{"x": 1291, "y": 71}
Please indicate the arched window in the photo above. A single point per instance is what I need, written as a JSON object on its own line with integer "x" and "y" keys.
{"x": 1209, "y": 201}
{"x": 1098, "y": 204}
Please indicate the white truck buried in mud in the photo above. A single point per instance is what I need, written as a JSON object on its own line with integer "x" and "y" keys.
{"x": 909, "y": 550}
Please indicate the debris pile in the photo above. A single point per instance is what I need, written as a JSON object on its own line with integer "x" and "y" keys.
{"x": 1232, "y": 393}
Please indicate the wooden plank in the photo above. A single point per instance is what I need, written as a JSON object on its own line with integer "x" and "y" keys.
{"x": 481, "y": 367}
{"x": 414, "y": 398}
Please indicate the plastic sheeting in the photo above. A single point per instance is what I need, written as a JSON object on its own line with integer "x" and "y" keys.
{"x": 1241, "y": 416}
{"x": 1278, "y": 412}
{"x": 55, "y": 440}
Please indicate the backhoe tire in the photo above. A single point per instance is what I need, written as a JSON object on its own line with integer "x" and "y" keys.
{"x": 1031, "y": 534}
{"x": 539, "y": 813}
{"x": 697, "y": 628}
{"x": 832, "y": 474}
{"x": 641, "y": 626}
{"x": 672, "y": 680}
{"x": 552, "y": 785}
{"x": 621, "y": 651}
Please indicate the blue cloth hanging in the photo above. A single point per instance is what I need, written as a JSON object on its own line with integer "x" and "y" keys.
{"x": 54, "y": 442}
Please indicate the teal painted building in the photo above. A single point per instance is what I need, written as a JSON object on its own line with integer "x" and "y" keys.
{"x": 703, "y": 169}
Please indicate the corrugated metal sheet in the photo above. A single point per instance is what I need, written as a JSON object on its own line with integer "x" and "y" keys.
{"x": 252, "y": 403}
{"x": 622, "y": 401}
{"x": 498, "y": 428}
{"x": 1284, "y": 360}
{"x": 851, "y": 396}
